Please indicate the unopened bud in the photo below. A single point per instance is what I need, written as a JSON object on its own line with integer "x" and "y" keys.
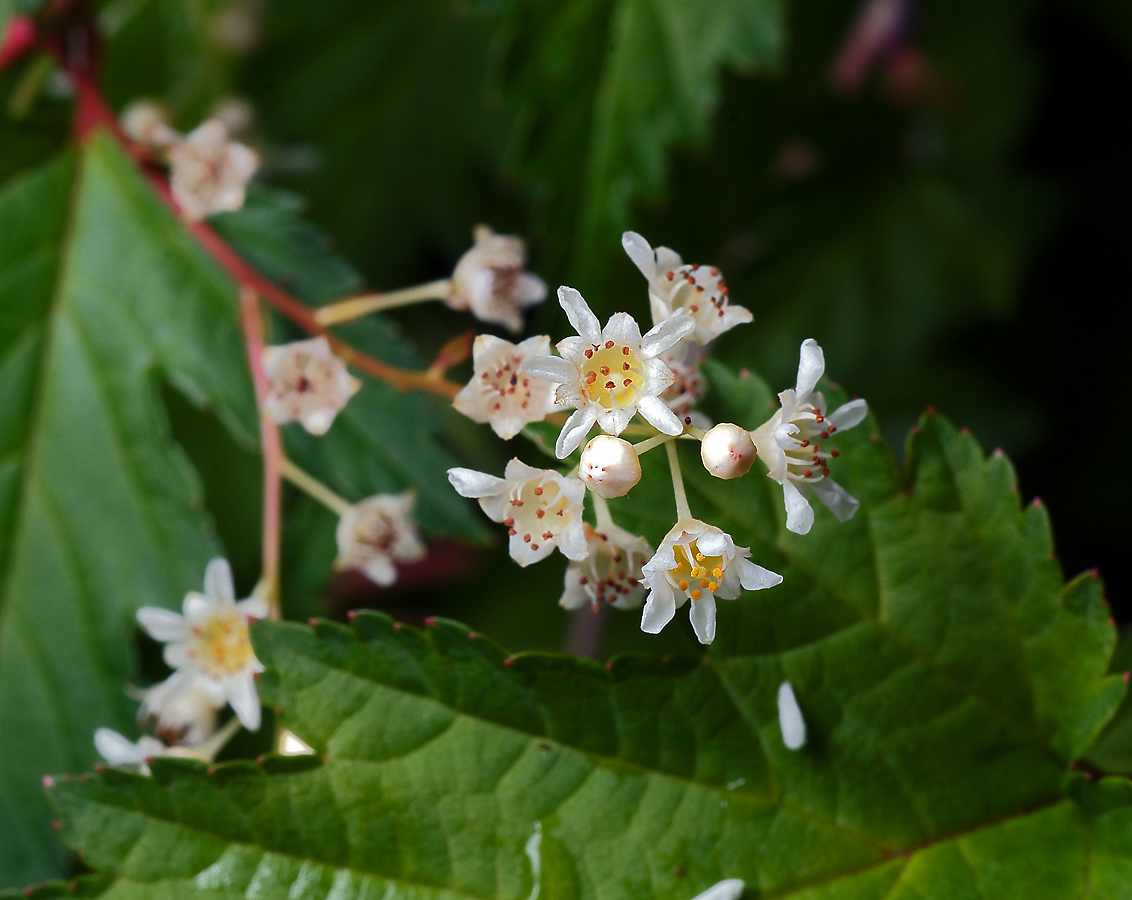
{"x": 609, "y": 466}
{"x": 727, "y": 451}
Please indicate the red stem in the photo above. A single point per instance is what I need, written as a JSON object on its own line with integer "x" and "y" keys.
{"x": 18, "y": 40}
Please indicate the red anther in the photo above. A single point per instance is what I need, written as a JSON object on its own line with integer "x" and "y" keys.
{"x": 825, "y": 435}
{"x": 430, "y": 622}
{"x": 835, "y": 453}
{"x": 805, "y": 443}
{"x": 589, "y": 354}
{"x": 534, "y": 546}
{"x": 609, "y": 345}
{"x": 687, "y": 420}
{"x": 57, "y": 825}
{"x": 699, "y": 288}
{"x": 539, "y": 513}
{"x": 670, "y": 275}
{"x": 527, "y": 538}
{"x": 627, "y": 382}
{"x": 807, "y": 473}
{"x": 825, "y": 472}
{"x": 625, "y": 367}
{"x": 538, "y": 492}
{"x": 625, "y": 351}
{"x": 609, "y": 385}
{"x": 547, "y": 535}
{"x": 509, "y": 521}
{"x": 694, "y": 308}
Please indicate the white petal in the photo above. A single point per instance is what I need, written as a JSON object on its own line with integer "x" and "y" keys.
{"x": 176, "y": 655}
{"x": 702, "y": 615}
{"x": 116, "y": 749}
{"x": 196, "y": 606}
{"x": 799, "y": 513}
{"x": 713, "y": 543}
{"x": 667, "y": 333}
{"x": 754, "y": 577}
{"x": 524, "y": 552}
{"x": 657, "y": 414}
{"x": 811, "y": 365}
{"x": 380, "y": 571}
{"x": 730, "y": 889}
{"x": 470, "y": 483}
{"x": 623, "y": 329}
{"x": 574, "y": 431}
{"x": 667, "y": 260}
{"x": 580, "y": 314}
{"x": 660, "y": 607}
{"x": 161, "y": 624}
{"x": 852, "y": 413}
{"x": 659, "y": 307}
{"x": 838, "y": 500}
{"x": 572, "y": 541}
{"x": 790, "y": 718}
{"x": 573, "y": 594}
{"x": 551, "y": 368}
{"x": 244, "y": 700}
{"x": 640, "y": 252}
{"x": 530, "y": 289}
{"x": 218, "y": 582}
{"x": 255, "y": 607}
{"x": 318, "y": 421}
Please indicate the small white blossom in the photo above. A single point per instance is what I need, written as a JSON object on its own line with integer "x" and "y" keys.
{"x": 541, "y": 508}
{"x": 119, "y": 750}
{"x": 609, "y": 374}
{"x": 376, "y": 533}
{"x": 500, "y": 393}
{"x": 698, "y": 562}
{"x": 210, "y": 642}
{"x": 147, "y": 122}
{"x": 307, "y": 382}
{"x": 208, "y": 173}
{"x": 689, "y": 385}
{"x": 790, "y": 720}
{"x": 729, "y": 889}
{"x": 609, "y": 466}
{"x": 179, "y": 710}
{"x": 675, "y": 289}
{"x": 789, "y": 444}
{"x": 727, "y": 451}
{"x": 610, "y": 573}
{"x": 490, "y": 281}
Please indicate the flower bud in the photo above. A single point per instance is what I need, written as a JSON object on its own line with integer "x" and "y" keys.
{"x": 609, "y": 466}
{"x": 727, "y": 451}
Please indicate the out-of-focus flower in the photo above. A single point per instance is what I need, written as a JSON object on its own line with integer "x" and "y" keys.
{"x": 541, "y": 508}
{"x": 609, "y": 374}
{"x": 376, "y": 533}
{"x": 610, "y": 573}
{"x": 307, "y": 382}
{"x": 147, "y": 123}
{"x": 500, "y": 393}
{"x": 179, "y": 710}
{"x": 490, "y": 281}
{"x": 789, "y": 444}
{"x": 208, "y": 173}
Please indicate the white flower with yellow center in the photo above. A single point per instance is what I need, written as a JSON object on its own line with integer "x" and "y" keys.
{"x": 610, "y": 573}
{"x": 308, "y": 383}
{"x": 490, "y": 281}
{"x": 500, "y": 393}
{"x": 541, "y": 508}
{"x": 208, "y": 173}
{"x": 698, "y": 562}
{"x": 210, "y": 643}
{"x": 609, "y": 374}
{"x": 377, "y": 533}
{"x": 790, "y": 443}
{"x": 676, "y": 288}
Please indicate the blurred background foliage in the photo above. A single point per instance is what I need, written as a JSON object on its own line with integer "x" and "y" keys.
{"x": 936, "y": 191}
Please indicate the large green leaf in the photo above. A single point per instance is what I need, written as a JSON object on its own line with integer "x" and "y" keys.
{"x": 605, "y": 90}
{"x": 104, "y": 296}
{"x": 946, "y": 675}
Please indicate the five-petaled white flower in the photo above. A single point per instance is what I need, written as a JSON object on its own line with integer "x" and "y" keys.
{"x": 610, "y": 573}
{"x": 676, "y": 288}
{"x": 179, "y": 710}
{"x": 500, "y": 393}
{"x": 698, "y": 562}
{"x": 541, "y": 508}
{"x": 210, "y": 642}
{"x": 789, "y": 444}
{"x": 376, "y": 533}
{"x": 208, "y": 173}
{"x": 489, "y": 280}
{"x": 728, "y": 889}
{"x": 306, "y": 382}
{"x": 609, "y": 374}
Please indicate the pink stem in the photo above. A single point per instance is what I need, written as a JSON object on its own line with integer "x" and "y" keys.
{"x": 19, "y": 39}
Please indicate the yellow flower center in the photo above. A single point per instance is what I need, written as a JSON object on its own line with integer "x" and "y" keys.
{"x": 222, "y": 644}
{"x": 694, "y": 573}
{"x": 612, "y": 374}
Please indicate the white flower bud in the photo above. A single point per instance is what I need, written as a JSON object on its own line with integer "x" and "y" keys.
{"x": 727, "y": 451}
{"x": 609, "y": 466}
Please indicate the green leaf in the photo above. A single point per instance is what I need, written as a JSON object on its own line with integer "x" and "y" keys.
{"x": 605, "y": 90}
{"x": 104, "y": 297}
{"x": 946, "y": 676}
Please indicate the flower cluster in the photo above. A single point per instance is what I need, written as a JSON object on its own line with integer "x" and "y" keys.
{"x": 608, "y": 375}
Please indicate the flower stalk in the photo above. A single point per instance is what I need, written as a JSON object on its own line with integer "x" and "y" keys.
{"x": 682, "y": 510}
{"x": 314, "y": 488}
{"x": 363, "y": 305}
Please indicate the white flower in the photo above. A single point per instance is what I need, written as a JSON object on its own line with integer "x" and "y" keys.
{"x": 689, "y": 386}
{"x": 728, "y": 889}
{"x": 675, "y": 288}
{"x": 147, "y": 123}
{"x": 306, "y": 382}
{"x": 611, "y": 571}
{"x": 210, "y": 642}
{"x": 500, "y": 393}
{"x": 376, "y": 533}
{"x": 790, "y": 720}
{"x": 541, "y": 508}
{"x": 179, "y": 710}
{"x": 609, "y": 374}
{"x": 489, "y": 280}
{"x": 698, "y": 562}
{"x": 609, "y": 466}
{"x": 121, "y": 751}
{"x": 208, "y": 173}
{"x": 789, "y": 444}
